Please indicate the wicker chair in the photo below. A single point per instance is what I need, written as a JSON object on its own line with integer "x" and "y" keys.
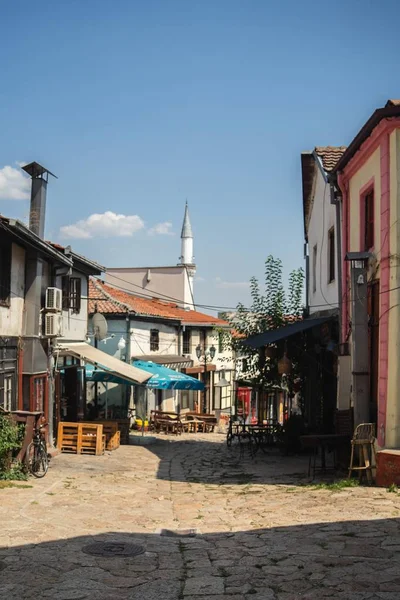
{"x": 364, "y": 440}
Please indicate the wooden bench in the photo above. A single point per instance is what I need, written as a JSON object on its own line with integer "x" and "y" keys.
{"x": 112, "y": 432}
{"x": 168, "y": 422}
{"x": 81, "y": 438}
{"x": 201, "y": 421}
{"x": 91, "y": 439}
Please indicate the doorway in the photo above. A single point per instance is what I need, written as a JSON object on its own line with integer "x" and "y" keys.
{"x": 72, "y": 394}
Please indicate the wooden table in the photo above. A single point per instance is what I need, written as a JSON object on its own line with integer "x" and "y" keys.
{"x": 262, "y": 436}
{"x": 324, "y": 442}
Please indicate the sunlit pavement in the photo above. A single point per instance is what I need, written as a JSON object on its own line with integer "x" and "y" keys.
{"x": 187, "y": 518}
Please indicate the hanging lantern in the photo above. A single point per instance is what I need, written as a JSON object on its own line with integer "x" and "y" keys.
{"x": 284, "y": 365}
{"x": 270, "y": 352}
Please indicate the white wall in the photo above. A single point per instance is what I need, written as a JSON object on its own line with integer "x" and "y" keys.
{"x": 75, "y": 325}
{"x": 140, "y": 338}
{"x": 168, "y": 344}
{"x": 164, "y": 281}
{"x": 11, "y": 318}
{"x": 322, "y": 219}
{"x": 223, "y": 360}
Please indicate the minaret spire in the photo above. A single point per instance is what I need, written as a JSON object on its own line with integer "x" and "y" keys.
{"x": 187, "y": 226}
{"x": 187, "y": 257}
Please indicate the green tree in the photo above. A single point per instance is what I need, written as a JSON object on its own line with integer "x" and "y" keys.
{"x": 270, "y": 309}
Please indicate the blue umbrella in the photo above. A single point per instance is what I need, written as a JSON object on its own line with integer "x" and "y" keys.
{"x": 162, "y": 377}
{"x": 167, "y": 379}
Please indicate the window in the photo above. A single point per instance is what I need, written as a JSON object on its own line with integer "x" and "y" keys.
{"x": 223, "y": 395}
{"x": 187, "y": 346}
{"x": 8, "y": 399}
{"x": 5, "y": 273}
{"x": 71, "y": 292}
{"x": 75, "y": 294}
{"x": 369, "y": 220}
{"x": 154, "y": 340}
{"x": 188, "y": 398}
{"x": 331, "y": 255}
{"x": 38, "y": 393}
{"x": 314, "y": 268}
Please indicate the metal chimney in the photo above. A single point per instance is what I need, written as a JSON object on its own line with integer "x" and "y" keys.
{"x": 40, "y": 177}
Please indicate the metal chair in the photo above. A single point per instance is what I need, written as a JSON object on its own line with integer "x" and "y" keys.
{"x": 364, "y": 440}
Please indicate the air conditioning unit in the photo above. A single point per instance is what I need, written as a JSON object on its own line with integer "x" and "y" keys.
{"x": 53, "y": 299}
{"x": 53, "y": 325}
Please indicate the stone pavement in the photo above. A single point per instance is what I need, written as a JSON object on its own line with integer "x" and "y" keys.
{"x": 261, "y": 533}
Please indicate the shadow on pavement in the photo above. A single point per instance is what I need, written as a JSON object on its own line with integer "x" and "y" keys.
{"x": 200, "y": 461}
{"x": 345, "y": 560}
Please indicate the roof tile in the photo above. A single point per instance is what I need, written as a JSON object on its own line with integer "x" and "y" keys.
{"x": 330, "y": 155}
{"x": 109, "y": 300}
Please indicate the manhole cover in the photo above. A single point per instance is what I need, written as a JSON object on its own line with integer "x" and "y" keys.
{"x": 113, "y": 549}
{"x": 179, "y": 532}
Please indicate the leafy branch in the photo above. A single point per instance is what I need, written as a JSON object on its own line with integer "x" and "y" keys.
{"x": 269, "y": 310}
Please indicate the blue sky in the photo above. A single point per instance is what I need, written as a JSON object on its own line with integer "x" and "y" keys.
{"x": 137, "y": 106}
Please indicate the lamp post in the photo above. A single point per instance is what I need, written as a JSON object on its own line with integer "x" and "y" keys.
{"x": 205, "y": 353}
{"x": 121, "y": 347}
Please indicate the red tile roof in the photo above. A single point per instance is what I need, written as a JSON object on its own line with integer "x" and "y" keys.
{"x": 110, "y": 300}
{"x": 330, "y": 155}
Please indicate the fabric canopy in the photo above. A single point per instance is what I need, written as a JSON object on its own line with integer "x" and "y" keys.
{"x": 160, "y": 377}
{"x": 168, "y": 379}
{"x": 93, "y": 374}
{"x": 275, "y": 335}
{"x": 94, "y": 356}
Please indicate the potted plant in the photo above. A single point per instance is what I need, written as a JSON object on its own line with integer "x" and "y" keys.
{"x": 141, "y": 425}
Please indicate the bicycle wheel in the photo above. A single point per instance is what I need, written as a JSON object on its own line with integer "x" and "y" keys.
{"x": 37, "y": 461}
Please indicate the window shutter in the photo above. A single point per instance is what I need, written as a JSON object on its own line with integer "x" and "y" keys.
{"x": 65, "y": 292}
{"x": 78, "y": 289}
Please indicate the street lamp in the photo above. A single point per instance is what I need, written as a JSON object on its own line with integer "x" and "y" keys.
{"x": 359, "y": 334}
{"x": 121, "y": 347}
{"x": 205, "y": 353}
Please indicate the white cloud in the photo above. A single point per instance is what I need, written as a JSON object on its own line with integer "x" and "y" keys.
{"x": 106, "y": 225}
{"x": 14, "y": 185}
{"x": 219, "y": 283}
{"x": 162, "y": 229}
{"x": 199, "y": 279}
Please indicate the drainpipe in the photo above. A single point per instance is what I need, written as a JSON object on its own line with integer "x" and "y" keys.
{"x": 307, "y": 262}
{"x": 128, "y": 357}
{"x": 180, "y": 330}
{"x": 336, "y": 200}
{"x": 20, "y": 378}
{"x": 179, "y": 348}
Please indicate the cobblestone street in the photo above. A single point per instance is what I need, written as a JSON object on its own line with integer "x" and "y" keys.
{"x": 263, "y": 532}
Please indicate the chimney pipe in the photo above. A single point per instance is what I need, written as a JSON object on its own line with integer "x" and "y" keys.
{"x": 37, "y": 214}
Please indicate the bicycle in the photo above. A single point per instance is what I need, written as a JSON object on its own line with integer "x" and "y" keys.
{"x": 37, "y": 460}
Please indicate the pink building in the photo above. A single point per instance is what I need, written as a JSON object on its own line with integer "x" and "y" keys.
{"x": 368, "y": 175}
